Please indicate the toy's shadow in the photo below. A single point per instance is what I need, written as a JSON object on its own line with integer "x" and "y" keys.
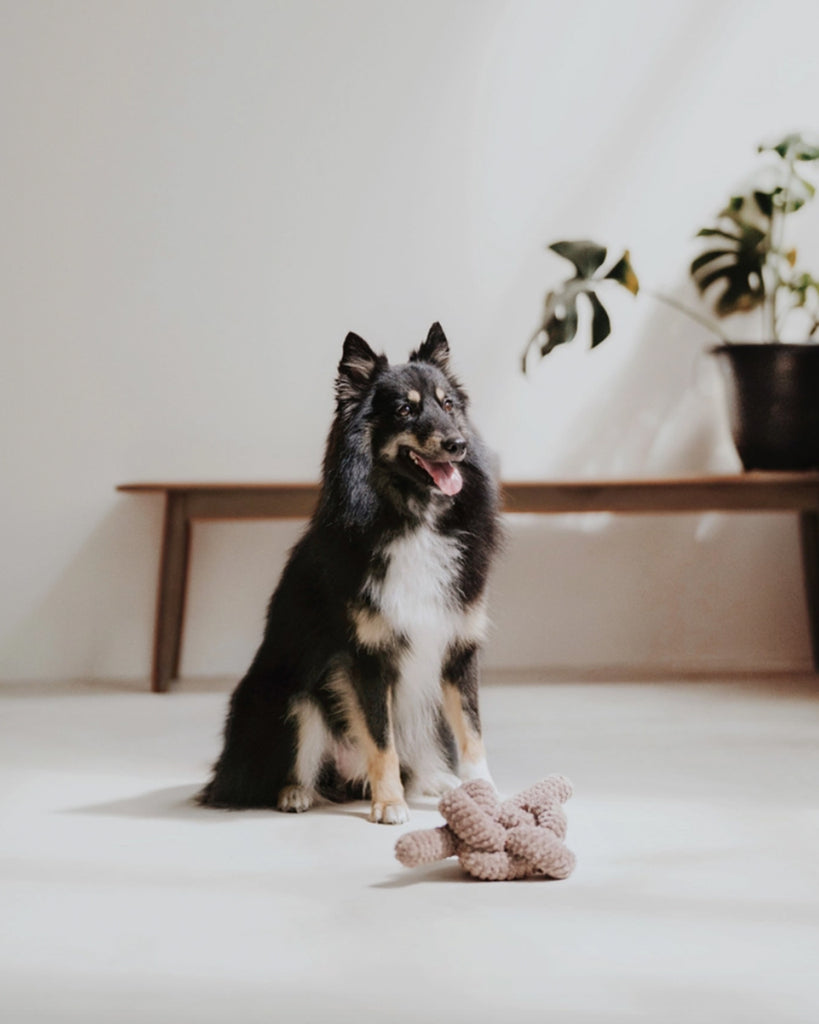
{"x": 449, "y": 871}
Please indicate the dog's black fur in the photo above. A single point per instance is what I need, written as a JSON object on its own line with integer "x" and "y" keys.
{"x": 367, "y": 675}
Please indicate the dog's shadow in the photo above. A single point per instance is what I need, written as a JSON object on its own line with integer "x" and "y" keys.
{"x": 179, "y": 803}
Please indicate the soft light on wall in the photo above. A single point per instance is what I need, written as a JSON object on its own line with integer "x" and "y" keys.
{"x": 201, "y": 200}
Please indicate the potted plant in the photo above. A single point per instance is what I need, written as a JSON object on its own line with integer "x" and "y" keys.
{"x": 772, "y": 385}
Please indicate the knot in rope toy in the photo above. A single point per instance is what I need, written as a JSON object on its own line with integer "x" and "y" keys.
{"x": 498, "y": 841}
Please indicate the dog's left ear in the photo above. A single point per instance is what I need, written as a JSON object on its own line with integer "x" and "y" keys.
{"x": 358, "y": 366}
{"x": 435, "y": 349}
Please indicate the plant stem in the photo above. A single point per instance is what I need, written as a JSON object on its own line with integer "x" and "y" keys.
{"x": 701, "y": 318}
{"x": 777, "y": 237}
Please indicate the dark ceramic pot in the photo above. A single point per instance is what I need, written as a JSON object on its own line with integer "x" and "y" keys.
{"x": 773, "y": 403}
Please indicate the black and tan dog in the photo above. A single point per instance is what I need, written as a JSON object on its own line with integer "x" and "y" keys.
{"x": 367, "y": 676}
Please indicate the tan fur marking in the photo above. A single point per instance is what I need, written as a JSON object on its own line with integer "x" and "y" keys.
{"x": 382, "y": 764}
{"x": 371, "y": 629}
{"x": 405, "y": 440}
{"x": 385, "y": 776}
{"x": 440, "y": 393}
{"x": 340, "y": 685}
{"x": 470, "y": 744}
{"x": 383, "y": 768}
{"x": 414, "y": 396}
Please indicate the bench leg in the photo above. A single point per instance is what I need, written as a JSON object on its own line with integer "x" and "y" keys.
{"x": 170, "y": 603}
{"x": 809, "y": 532}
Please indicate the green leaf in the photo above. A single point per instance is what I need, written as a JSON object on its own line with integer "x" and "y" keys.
{"x": 800, "y": 192}
{"x": 801, "y": 285}
{"x": 739, "y": 266}
{"x": 795, "y": 147}
{"x": 704, "y": 281}
{"x": 753, "y": 237}
{"x": 744, "y": 289}
{"x": 749, "y": 235}
{"x": 733, "y": 214}
{"x": 586, "y": 256}
{"x": 764, "y": 200}
{"x": 559, "y": 323}
{"x": 601, "y": 324}
{"x": 559, "y": 329}
{"x": 709, "y": 257}
{"x": 623, "y": 273}
{"x": 717, "y": 233}
{"x": 738, "y": 297}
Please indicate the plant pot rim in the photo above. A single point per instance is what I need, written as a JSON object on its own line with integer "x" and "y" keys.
{"x": 788, "y": 346}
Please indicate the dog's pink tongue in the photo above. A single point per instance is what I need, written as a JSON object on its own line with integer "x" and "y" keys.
{"x": 446, "y": 476}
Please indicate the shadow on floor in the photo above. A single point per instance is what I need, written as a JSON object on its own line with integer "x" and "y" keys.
{"x": 179, "y": 802}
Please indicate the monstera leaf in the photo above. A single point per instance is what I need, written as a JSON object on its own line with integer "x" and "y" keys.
{"x": 560, "y": 319}
{"x": 750, "y": 261}
{"x": 738, "y": 261}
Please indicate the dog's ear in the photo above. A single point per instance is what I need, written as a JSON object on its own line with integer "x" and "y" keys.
{"x": 358, "y": 366}
{"x": 435, "y": 349}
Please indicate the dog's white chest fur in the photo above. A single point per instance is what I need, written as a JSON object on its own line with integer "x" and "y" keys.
{"x": 416, "y": 595}
{"x": 418, "y": 598}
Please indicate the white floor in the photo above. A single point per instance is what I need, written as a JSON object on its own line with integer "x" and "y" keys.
{"x": 696, "y": 896}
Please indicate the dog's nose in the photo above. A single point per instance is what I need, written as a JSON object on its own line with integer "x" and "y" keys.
{"x": 455, "y": 446}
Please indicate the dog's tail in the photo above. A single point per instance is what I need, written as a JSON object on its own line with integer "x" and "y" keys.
{"x": 259, "y": 748}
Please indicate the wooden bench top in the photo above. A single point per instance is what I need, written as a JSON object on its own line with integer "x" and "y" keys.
{"x": 741, "y": 492}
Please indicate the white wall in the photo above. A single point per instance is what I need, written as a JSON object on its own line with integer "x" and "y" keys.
{"x": 200, "y": 199}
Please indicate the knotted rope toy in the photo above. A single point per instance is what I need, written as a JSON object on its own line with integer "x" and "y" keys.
{"x": 519, "y": 838}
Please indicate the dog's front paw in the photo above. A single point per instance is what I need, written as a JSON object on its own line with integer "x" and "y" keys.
{"x": 393, "y": 813}
{"x": 295, "y": 799}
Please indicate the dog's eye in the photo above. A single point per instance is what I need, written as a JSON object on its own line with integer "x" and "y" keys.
{"x": 447, "y": 405}
{"x": 404, "y": 411}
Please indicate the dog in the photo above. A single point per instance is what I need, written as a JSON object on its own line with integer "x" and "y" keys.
{"x": 366, "y": 680}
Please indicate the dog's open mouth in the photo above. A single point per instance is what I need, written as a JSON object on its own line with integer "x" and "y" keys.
{"x": 445, "y": 475}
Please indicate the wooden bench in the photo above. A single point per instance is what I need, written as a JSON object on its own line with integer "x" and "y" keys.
{"x": 185, "y": 503}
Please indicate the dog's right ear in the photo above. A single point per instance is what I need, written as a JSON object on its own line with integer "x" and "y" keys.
{"x": 358, "y": 366}
{"x": 434, "y": 350}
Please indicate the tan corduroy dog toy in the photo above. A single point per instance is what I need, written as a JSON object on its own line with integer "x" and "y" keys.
{"x": 519, "y": 838}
